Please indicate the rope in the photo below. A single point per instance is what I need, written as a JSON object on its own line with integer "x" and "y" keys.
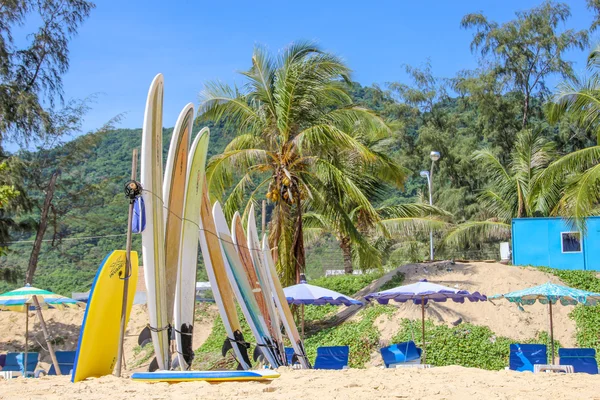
{"x": 152, "y": 329}
{"x": 196, "y": 224}
{"x": 183, "y": 333}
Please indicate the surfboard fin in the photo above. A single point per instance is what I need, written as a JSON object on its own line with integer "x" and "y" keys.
{"x": 145, "y": 337}
{"x": 153, "y": 365}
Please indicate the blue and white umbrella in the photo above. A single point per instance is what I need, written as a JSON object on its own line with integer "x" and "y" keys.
{"x": 303, "y": 293}
{"x": 421, "y": 293}
{"x": 551, "y": 293}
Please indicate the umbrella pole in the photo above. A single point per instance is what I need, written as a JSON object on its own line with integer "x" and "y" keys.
{"x": 26, "y": 337}
{"x": 46, "y": 336}
{"x": 120, "y": 355}
{"x": 551, "y": 330}
{"x": 303, "y": 322}
{"x": 423, "y": 327}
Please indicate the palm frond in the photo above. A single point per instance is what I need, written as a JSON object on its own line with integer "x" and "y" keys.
{"x": 477, "y": 232}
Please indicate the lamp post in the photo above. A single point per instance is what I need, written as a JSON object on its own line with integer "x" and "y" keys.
{"x": 434, "y": 155}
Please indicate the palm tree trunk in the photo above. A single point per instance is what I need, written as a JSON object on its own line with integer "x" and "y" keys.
{"x": 298, "y": 243}
{"x": 37, "y": 245}
{"x": 347, "y": 253}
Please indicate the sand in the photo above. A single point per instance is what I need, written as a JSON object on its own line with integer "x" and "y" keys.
{"x": 373, "y": 383}
{"x": 502, "y": 317}
{"x": 64, "y": 326}
{"x": 451, "y": 382}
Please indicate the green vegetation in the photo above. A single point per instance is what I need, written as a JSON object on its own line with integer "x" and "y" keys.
{"x": 586, "y": 318}
{"x": 346, "y": 284}
{"x": 466, "y": 345}
{"x": 362, "y": 336}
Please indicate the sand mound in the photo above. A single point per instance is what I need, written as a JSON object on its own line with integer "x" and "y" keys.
{"x": 502, "y": 317}
{"x": 436, "y": 383}
{"x": 64, "y": 327}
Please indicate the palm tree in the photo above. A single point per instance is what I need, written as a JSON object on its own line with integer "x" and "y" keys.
{"x": 390, "y": 222}
{"x": 294, "y": 120}
{"x": 512, "y": 192}
{"x": 579, "y": 171}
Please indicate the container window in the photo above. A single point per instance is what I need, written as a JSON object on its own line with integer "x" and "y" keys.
{"x": 571, "y": 242}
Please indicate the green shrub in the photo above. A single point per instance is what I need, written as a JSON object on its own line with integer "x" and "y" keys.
{"x": 466, "y": 345}
{"x": 346, "y": 284}
{"x": 587, "y": 318}
{"x": 361, "y": 336}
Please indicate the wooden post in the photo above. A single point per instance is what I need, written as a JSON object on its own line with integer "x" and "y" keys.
{"x": 38, "y": 309}
{"x": 120, "y": 355}
{"x": 26, "y": 336}
{"x": 423, "y": 327}
{"x": 551, "y": 331}
{"x": 264, "y": 217}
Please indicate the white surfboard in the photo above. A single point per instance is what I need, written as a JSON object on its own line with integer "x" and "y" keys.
{"x": 219, "y": 282}
{"x": 241, "y": 287}
{"x": 153, "y": 236}
{"x": 173, "y": 195}
{"x": 185, "y": 294}
{"x": 261, "y": 270}
{"x": 283, "y": 307}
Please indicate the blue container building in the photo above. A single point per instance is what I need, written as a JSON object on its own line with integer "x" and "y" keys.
{"x": 551, "y": 242}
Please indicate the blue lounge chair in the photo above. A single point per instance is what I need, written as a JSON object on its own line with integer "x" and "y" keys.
{"x": 65, "y": 362}
{"x": 401, "y": 353}
{"x": 524, "y": 356}
{"x": 14, "y": 363}
{"x": 334, "y": 357}
{"x": 582, "y": 360}
{"x": 289, "y": 355}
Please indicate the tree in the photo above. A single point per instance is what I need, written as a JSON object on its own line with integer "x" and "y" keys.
{"x": 512, "y": 192}
{"x": 529, "y": 48}
{"x": 31, "y": 75}
{"x": 578, "y": 101}
{"x": 53, "y": 172}
{"x": 293, "y": 117}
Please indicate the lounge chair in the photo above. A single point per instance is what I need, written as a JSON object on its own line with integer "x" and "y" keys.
{"x": 582, "y": 360}
{"x": 13, "y": 365}
{"x": 333, "y": 357}
{"x": 524, "y": 356}
{"x": 65, "y": 362}
{"x": 289, "y": 355}
{"x": 401, "y": 353}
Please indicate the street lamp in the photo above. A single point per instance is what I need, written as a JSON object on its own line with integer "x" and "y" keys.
{"x": 434, "y": 155}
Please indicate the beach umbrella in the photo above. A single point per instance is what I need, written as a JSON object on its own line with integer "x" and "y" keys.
{"x": 551, "y": 293}
{"x": 303, "y": 293}
{"x": 31, "y": 298}
{"x": 421, "y": 293}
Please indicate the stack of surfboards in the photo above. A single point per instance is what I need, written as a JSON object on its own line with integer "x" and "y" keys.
{"x": 179, "y": 220}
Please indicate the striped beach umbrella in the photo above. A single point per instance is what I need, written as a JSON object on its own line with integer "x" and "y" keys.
{"x": 21, "y": 299}
{"x": 31, "y": 298}
{"x": 551, "y": 294}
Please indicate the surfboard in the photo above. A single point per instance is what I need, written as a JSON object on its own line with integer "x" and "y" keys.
{"x": 222, "y": 292}
{"x": 209, "y": 376}
{"x": 185, "y": 294}
{"x": 239, "y": 240}
{"x": 153, "y": 236}
{"x": 98, "y": 343}
{"x": 255, "y": 249}
{"x": 174, "y": 192}
{"x": 283, "y": 307}
{"x": 241, "y": 287}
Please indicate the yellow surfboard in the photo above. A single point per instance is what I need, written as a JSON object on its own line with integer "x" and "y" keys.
{"x": 99, "y": 336}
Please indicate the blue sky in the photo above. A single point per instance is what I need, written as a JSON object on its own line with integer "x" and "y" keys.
{"x": 125, "y": 43}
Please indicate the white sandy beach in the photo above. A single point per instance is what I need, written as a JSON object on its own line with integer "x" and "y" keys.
{"x": 373, "y": 383}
